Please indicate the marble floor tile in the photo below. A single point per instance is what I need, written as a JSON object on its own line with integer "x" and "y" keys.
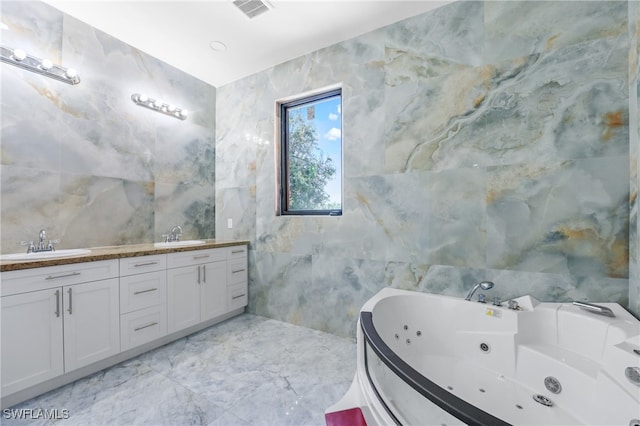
{"x": 246, "y": 371}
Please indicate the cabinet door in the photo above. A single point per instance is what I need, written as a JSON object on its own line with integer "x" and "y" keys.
{"x": 91, "y": 323}
{"x": 31, "y": 339}
{"x": 213, "y": 300}
{"x": 183, "y": 295}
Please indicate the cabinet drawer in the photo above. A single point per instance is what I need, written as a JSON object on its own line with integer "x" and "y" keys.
{"x": 137, "y": 328}
{"x": 237, "y": 252}
{"x": 14, "y": 282}
{"x": 142, "y": 291}
{"x": 237, "y": 271}
{"x": 237, "y": 296}
{"x": 195, "y": 257}
{"x": 139, "y": 265}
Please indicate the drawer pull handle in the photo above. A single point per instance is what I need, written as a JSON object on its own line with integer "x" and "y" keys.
{"x": 70, "y": 302}
{"x": 137, "y": 265}
{"x": 145, "y": 291}
{"x": 57, "y": 303}
{"x": 238, "y": 297}
{"x": 146, "y": 326}
{"x": 237, "y": 251}
{"x": 55, "y": 277}
{"x": 238, "y": 270}
{"x": 204, "y": 273}
{"x": 202, "y": 256}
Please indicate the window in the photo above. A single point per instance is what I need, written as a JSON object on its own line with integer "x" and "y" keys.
{"x": 311, "y": 155}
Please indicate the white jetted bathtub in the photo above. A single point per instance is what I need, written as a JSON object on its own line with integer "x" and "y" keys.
{"x": 426, "y": 359}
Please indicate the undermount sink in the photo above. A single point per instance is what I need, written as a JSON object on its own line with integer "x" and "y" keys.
{"x": 44, "y": 254}
{"x": 179, "y": 243}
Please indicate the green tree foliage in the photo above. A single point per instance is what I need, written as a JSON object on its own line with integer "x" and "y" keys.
{"x": 309, "y": 169}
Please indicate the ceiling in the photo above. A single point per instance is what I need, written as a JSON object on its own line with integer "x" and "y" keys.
{"x": 180, "y": 32}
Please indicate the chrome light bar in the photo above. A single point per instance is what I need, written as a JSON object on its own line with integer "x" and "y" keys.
{"x": 159, "y": 106}
{"x": 20, "y": 58}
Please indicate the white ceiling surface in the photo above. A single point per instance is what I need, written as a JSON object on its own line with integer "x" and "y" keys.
{"x": 179, "y": 32}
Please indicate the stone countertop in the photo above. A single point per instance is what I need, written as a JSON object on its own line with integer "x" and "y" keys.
{"x": 112, "y": 252}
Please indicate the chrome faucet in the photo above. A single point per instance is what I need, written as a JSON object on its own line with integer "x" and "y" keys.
{"x": 174, "y": 234}
{"x": 43, "y": 244}
{"x": 596, "y": 309}
{"x": 485, "y": 285}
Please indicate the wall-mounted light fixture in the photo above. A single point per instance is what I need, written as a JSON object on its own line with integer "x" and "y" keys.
{"x": 156, "y": 105}
{"x": 20, "y": 58}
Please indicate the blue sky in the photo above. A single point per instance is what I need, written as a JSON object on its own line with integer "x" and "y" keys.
{"x": 328, "y": 120}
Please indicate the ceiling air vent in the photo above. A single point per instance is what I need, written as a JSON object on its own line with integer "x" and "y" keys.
{"x": 252, "y": 8}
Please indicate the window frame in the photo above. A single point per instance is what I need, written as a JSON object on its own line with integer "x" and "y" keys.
{"x": 283, "y": 178}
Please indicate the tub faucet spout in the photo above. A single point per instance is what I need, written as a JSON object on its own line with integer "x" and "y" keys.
{"x": 485, "y": 285}
{"x": 596, "y": 309}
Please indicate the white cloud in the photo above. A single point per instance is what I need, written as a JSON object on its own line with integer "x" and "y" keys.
{"x": 333, "y": 116}
{"x": 333, "y": 134}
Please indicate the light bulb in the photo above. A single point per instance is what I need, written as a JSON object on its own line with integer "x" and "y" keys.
{"x": 183, "y": 113}
{"x": 72, "y": 75}
{"x": 143, "y": 98}
{"x": 46, "y": 64}
{"x": 171, "y": 108}
{"x": 19, "y": 54}
{"x": 157, "y": 104}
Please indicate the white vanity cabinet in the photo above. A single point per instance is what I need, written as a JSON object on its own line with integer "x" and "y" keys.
{"x": 143, "y": 300}
{"x": 197, "y": 287}
{"x": 61, "y": 323}
{"x": 57, "y": 319}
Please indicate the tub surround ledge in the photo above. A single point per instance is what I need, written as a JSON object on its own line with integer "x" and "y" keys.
{"x": 114, "y": 252}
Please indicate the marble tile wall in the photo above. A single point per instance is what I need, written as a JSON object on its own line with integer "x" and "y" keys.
{"x": 634, "y": 156}
{"x": 482, "y": 140}
{"x": 84, "y": 161}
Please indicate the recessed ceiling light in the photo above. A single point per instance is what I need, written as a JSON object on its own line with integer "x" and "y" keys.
{"x": 217, "y": 46}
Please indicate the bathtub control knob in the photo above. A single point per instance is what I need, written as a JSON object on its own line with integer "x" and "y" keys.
{"x": 512, "y": 304}
{"x": 497, "y": 301}
{"x": 552, "y": 384}
{"x": 633, "y": 375}
{"x": 482, "y": 298}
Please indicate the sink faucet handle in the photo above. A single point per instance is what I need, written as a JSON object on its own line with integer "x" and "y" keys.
{"x": 31, "y": 247}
